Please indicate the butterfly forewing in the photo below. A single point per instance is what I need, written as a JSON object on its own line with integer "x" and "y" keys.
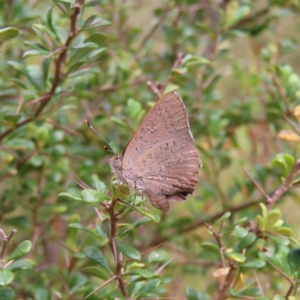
{"x": 166, "y": 119}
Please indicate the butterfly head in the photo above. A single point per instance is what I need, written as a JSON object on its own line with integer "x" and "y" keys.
{"x": 116, "y": 165}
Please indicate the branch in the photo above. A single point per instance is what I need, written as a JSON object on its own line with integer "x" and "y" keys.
{"x": 117, "y": 256}
{"x": 264, "y": 194}
{"x": 59, "y": 62}
{"x": 201, "y": 222}
{"x": 285, "y": 185}
{"x": 6, "y": 240}
{"x": 101, "y": 286}
{"x": 291, "y": 281}
{"x": 228, "y": 281}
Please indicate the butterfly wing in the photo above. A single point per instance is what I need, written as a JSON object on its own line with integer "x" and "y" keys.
{"x": 168, "y": 171}
{"x": 167, "y": 119}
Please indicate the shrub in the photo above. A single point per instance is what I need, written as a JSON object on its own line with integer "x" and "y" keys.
{"x": 69, "y": 232}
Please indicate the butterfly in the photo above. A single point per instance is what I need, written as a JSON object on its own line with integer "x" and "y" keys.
{"x": 160, "y": 161}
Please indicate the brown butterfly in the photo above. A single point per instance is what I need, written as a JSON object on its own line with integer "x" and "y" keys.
{"x": 161, "y": 161}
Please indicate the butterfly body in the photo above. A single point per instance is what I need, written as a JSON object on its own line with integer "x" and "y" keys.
{"x": 161, "y": 161}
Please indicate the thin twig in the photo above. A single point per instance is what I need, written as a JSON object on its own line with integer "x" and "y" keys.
{"x": 264, "y": 194}
{"x": 117, "y": 256}
{"x": 154, "y": 89}
{"x": 66, "y": 129}
{"x": 6, "y": 240}
{"x": 281, "y": 93}
{"x": 285, "y": 185}
{"x": 258, "y": 283}
{"x": 292, "y": 124}
{"x": 101, "y": 286}
{"x": 291, "y": 281}
{"x": 217, "y": 237}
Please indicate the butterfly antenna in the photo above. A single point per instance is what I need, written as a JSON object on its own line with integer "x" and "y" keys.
{"x": 105, "y": 147}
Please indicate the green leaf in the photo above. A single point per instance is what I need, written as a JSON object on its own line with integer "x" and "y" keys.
{"x": 97, "y": 38}
{"x": 22, "y": 264}
{"x": 158, "y": 255}
{"x": 180, "y": 71}
{"x": 135, "y": 112}
{"x": 254, "y": 264}
{"x": 170, "y": 88}
{"x": 238, "y": 257}
{"x": 43, "y": 29}
{"x": 8, "y": 33}
{"x": 152, "y": 215}
{"x": 211, "y": 247}
{"x": 20, "y": 144}
{"x": 12, "y": 118}
{"x": 41, "y": 293}
{"x": 141, "y": 273}
{"x": 97, "y": 256}
{"x": 129, "y": 251}
{"x": 263, "y": 210}
{"x": 21, "y": 250}
{"x": 100, "y": 186}
{"x": 234, "y": 293}
{"x": 19, "y": 82}
{"x": 240, "y": 14}
{"x": 46, "y": 67}
{"x": 74, "y": 67}
{"x": 94, "y": 22}
{"x": 280, "y": 240}
{"x": 81, "y": 227}
{"x": 260, "y": 222}
{"x": 101, "y": 233}
{"x": 294, "y": 259}
{"x": 284, "y": 231}
{"x": 239, "y": 232}
{"x": 224, "y": 217}
{"x": 88, "y": 22}
{"x": 191, "y": 294}
{"x": 6, "y": 277}
{"x": 246, "y": 241}
{"x": 35, "y": 53}
{"x": 190, "y": 60}
{"x": 69, "y": 196}
{"x": 135, "y": 265}
{"x": 49, "y": 21}
{"x": 97, "y": 271}
{"x": 82, "y": 51}
{"x": 284, "y": 162}
{"x": 272, "y": 218}
{"x": 119, "y": 122}
{"x": 92, "y": 196}
{"x": 7, "y": 293}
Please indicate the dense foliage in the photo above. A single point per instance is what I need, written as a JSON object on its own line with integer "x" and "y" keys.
{"x": 70, "y": 233}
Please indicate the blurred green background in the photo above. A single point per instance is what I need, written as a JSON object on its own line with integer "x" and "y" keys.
{"x": 236, "y": 66}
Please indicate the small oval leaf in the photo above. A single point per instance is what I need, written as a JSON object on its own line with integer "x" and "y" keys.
{"x": 96, "y": 255}
{"x": 92, "y": 196}
{"x": 6, "y": 277}
{"x": 129, "y": 251}
{"x": 294, "y": 259}
{"x": 21, "y": 250}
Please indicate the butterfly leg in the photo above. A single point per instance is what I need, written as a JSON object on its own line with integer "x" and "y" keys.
{"x": 145, "y": 207}
{"x": 143, "y": 199}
